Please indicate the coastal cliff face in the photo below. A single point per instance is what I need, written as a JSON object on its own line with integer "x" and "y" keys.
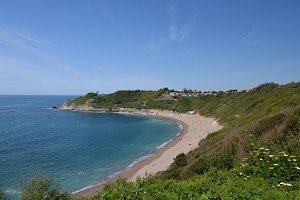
{"x": 87, "y": 107}
{"x": 70, "y": 106}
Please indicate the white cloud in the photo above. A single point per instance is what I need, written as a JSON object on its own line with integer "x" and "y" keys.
{"x": 27, "y": 61}
{"x": 179, "y": 33}
{"x": 176, "y": 32}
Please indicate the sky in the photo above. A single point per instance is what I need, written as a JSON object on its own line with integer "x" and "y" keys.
{"x": 74, "y": 47}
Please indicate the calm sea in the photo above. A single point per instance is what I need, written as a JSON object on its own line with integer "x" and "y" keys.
{"x": 78, "y": 149}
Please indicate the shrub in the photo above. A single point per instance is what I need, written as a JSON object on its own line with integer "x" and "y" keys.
{"x": 2, "y": 195}
{"x": 42, "y": 187}
{"x": 180, "y": 161}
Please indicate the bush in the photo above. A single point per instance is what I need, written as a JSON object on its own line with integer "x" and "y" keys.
{"x": 2, "y": 195}
{"x": 180, "y": 161}
{"x": 41, "y": 187}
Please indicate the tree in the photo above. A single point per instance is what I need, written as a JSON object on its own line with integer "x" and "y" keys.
{"x": 42, "y": 187}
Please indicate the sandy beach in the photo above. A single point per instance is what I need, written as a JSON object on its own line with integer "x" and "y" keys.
{"x": 195, "y": 128}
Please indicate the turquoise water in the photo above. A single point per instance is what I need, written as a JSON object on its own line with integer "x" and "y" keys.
{"x": 78, "y": 149}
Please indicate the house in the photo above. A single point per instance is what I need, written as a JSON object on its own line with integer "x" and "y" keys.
{"x": 231, "y": 91}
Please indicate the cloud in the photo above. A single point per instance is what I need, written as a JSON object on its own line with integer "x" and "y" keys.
{"x": 179, "y": 33}
{"x": 27, "y": 61}
{"x": 25, "y": 42}
{"x": 176, "y": 32}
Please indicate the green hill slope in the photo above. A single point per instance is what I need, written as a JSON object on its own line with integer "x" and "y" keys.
{"x": 238, "y": 162}
{"x": 267, "y": 116}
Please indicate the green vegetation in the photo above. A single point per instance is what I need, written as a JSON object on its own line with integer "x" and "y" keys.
{"x": 255, "y": 156}
{"x": 42, "y": 187}
{"x": 2, "y": 195}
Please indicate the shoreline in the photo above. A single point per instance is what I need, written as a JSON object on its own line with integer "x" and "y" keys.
{"x": 194, "y": 128}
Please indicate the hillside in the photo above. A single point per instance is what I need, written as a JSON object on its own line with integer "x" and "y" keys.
{"x": 267, "y": 116}
{"x": 261, "y": 131}
{"x": 255, "y": 156}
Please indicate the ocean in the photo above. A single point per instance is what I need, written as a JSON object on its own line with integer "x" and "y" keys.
{"x": 77, "y": 149}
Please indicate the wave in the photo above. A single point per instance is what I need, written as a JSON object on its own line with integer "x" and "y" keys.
{"x": 101, "y": 182}
{"x": 180, "y": 127}
{"x": 140, "y": 160}
{"x": 12, "y": 191}
{"x": 89, "y": 187}
{"x": 163, "y": 144}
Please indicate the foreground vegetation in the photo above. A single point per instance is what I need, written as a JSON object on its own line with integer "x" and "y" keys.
{"x": 255, "y": 156}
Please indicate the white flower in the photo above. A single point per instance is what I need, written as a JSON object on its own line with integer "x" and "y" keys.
{"x": 261, "y": 148}
{"x": 285, "y": 155}
{"x": 267, "y": 149}
{"x": 297, "y": 168}
{"x": 294, "y": 160}
{"x": 260, "y": 159}
{"x": 240, "y": 173}
{"x": 271, "y": 156}
{"x": 286, "y": 184}
{"x": 276, "y": 164}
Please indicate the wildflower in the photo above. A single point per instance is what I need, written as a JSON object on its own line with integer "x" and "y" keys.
{"x": 260, "y": 159}
{"x": 294, "y": 160}
{"x": 251, "y": 144}
{"x": 271, "y": 156}
{"x": 275, "y": 164}
{"x": 297, "y": 168}
{"x": 267, "y": 149}
{"x": 261, "y": 148}
{"x": 285, "y": 155}
{"x": 241, "y": 173}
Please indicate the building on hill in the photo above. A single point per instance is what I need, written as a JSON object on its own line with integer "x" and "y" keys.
{"x": 231, "y": 91}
